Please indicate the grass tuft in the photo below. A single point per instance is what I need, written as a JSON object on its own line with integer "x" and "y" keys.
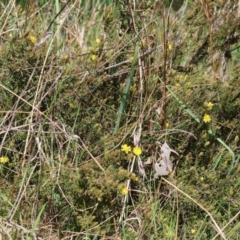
{"x": 95, "y": 96}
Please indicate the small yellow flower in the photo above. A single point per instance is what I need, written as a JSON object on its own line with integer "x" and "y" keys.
{"x": 137, "y": 151}
{"x": 125, "y": 148}
{"x": 33, "y": 39}
{"x": 201, "y": 179}
{"x": 170, "y": 47}
{"x": 4, "y": 159}
{"x": 93, "y": 57}
{"x": 124, "y": 191}
{"x": 193, "y": 231}
{"x": 97, "y": 41}
{"x": 206, "y": 118}
{"x": 209, "y": 105}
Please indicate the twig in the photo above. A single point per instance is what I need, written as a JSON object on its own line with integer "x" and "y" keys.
{"x": 94, "y": 159}
{"x": 127, "y": 61}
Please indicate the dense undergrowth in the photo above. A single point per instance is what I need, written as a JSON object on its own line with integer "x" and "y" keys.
{"x": 84, "y": 106}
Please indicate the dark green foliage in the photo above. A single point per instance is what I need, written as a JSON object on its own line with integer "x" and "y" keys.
{"x": 59, "y": 110}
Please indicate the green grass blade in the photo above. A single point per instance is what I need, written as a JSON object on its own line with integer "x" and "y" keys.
{"x": 126, "y": 90}
{"x": 38, "y": 219}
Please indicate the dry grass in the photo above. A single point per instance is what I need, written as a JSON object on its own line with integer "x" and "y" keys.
{"x": 135, "y": 73}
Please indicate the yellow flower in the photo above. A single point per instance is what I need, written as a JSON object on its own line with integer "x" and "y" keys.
{"x": 125, "y": 148}
{"x": 4, "y": 159}
{"x": 98, "y": 41}
{"x": 124, "y": 191}
{"x": 137, "y": 151}
{"x": 193, "y": 231}
{"x": 206, "y": 118}
{"x": 169, "y": 47}
{"x": 93, "y": 57}
{"x": 33, "y": 39}
{"x": 209, "y": 105}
